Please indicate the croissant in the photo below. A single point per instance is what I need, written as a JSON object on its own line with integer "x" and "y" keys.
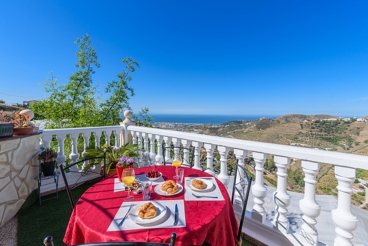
{"x": 147, "y": 211}
{"x": 199, "y": 184}
{"x": 169, "y": 186}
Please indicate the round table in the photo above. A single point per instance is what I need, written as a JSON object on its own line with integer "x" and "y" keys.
{"x": 210, "y": 221}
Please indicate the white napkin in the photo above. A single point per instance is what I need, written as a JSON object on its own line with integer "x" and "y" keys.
{"x": 215, "y": 191}
{"x": 166, "y": 222}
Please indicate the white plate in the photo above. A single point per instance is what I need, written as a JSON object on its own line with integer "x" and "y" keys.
{"x": 209, "y": 184}
{"x": 162, "y": 193}
{"x": 154, "y": 179}
{"x": 161, "y": 212}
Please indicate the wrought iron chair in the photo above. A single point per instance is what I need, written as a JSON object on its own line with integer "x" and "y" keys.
{"x": 187, "y": 155}
{"x": 48, "y": 242}
{"x": 244, "y": 179}
{"x": 82, "y": 173}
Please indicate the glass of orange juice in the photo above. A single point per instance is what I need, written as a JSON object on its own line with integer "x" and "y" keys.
{"x": 128, "y": 177}
{"x": 176, "y": 162}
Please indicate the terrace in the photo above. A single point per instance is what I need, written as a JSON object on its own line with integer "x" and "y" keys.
{"x": 274, "y": 216}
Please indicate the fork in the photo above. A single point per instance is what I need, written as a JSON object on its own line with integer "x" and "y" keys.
{"x": 203, "y": 196}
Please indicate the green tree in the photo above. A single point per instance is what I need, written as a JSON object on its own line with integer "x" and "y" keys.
{"x": 76, "y": 104}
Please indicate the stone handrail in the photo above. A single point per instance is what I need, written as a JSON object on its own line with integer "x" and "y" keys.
{"x": 345, "y": 167}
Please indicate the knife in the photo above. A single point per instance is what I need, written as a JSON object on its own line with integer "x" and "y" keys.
{"x": 126, "y": 215}
{"x": 176, "y": 215}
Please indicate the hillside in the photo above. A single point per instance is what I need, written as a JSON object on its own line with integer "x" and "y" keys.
{"x": 325, "y": 132}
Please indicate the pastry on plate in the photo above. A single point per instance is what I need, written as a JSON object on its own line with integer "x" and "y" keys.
{"x": 147, "y": 211}
{"x": 169, "y": 187}
{"x": 199, "y": 184}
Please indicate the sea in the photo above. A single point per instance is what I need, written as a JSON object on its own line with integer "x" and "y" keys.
{"x": 203, "y": 119}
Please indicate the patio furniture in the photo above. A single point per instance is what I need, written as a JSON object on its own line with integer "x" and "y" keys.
{"x": 79, "y": 174}
{"x": 40, "y": 177}
{"x": 102, "y": 207}
{"x": 241, "y": 179}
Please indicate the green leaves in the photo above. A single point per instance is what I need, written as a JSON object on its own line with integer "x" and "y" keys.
{"x": 75, "y": 104}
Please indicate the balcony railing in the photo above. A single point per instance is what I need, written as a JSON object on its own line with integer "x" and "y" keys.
{"x": 345, "y": 166}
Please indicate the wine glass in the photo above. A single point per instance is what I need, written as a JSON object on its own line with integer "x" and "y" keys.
{"x": 176, "y": 162}
{"x": 128, "y": 177}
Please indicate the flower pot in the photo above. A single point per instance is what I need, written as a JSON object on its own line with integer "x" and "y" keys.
{"x": 48, "y": 168}
{"x": 6, "y": 129}
{"x": 119, "y": 170}
{"x": 23, "y": 131}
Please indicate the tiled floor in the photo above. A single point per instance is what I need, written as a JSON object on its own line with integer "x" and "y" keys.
{"x": 8, "y": 233}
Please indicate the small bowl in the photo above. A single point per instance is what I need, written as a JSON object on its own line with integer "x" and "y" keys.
{"x": 154, "y": 179}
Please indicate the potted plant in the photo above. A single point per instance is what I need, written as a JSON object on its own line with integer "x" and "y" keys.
{"x": 113, "y": 154}
{"x": 47, "y": 160}
{"x": 22, "y": 124}
{"x": 6, "y": 126}
{"x": 124, "y": 162}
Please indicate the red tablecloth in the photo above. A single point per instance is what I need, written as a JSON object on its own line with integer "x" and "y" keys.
{"x": 210, "y": 221}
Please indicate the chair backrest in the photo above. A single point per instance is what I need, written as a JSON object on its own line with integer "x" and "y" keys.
{"x": 77, "y": 176}
{"x": 48, "y": 242}
{"x": 241, "y": 179}
{"x": 187, "y": 154}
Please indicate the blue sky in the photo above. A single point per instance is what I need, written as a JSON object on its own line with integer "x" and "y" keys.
{"x": 197, "y": 57}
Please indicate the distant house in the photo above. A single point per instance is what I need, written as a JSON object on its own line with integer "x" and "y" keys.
{"x": 27, "y": 103}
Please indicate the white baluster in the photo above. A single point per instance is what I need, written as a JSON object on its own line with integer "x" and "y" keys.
{"x": 345, "y": 221}
{"x": 223, "y": 176}
{"x": 61, "y": 157}
{"x": 308, "y": 204}
{"x": 116, "y": 135}
{"x": 97, "y": 139}
{"x": 197, "y": 152}
{"x": 186, "y": 144}
{"x": 86, "y": 136}
{"x": 280, "y": 196}
{"x": 152, "y": 154}
{"x": 159, "y": 157}
{"x": 146, "y": 150}
{"x": 134, "y": 137}
{"x": 46, "y": 139}
{"x": 259, "y": 191}
{"x": 141, "y": 150}
{"x": 240, "y": 156}
{"x": 209, "y": 149}
{"x": 167, "y": 152}
{"x": 107, "y": 138}
{"x": 176, "y": 143}
{"x": 74, "y": 154}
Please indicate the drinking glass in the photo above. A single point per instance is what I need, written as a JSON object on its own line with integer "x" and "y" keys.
{"x": 180, "y": 175}
{"x": 128, "y": 177}
{"x": 176, "y": 162}
{"x": 146, "y": 189}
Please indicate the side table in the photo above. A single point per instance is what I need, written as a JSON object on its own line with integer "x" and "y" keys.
{"x": 41, "y": 178}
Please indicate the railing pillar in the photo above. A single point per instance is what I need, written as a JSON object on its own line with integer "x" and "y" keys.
{"x": 141, "y": 150}
{"x": 152, "y": 154}
{"x": 74, "y": 154}
{"x": 240, "y": 156}
{"x": 223, "y": 176}
{"x": 61, "y": 157}
{"x": 159, "y": 157}
{"x": 167, "y": 152}
{"x": 308, "y": 204}
{"x": 259, "y": 191}
{"x": 280, "y": 196}
{"x": 209, "y": 149}
{"x": 125, "y": 135}
{"x": 345, "y": 221}
{"x": 176, "y": 143}
{"x": 197, "y": 152}
{"x": 146, "y": 153}
{"x": 186, "y": 144}
{"x": 46, "y": 139}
